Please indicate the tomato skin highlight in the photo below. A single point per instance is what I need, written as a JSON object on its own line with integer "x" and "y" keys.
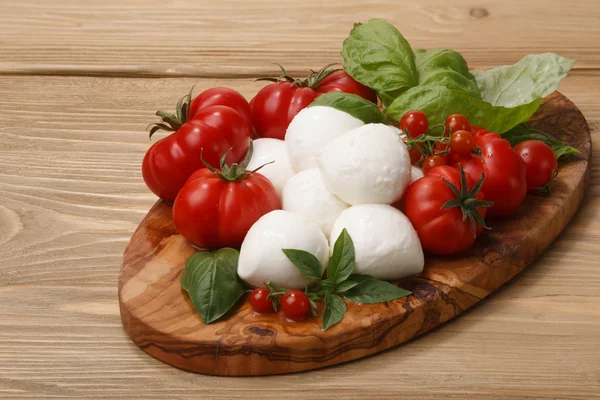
{"x": 540, "y": 161}
{"x": 259, "y": 302}
{"x": 212, "y": 213}
{"x": 414, "y": 122}
{"x": 432, "y": 162}
{"x": 461, "y": 143}
{"x": 169, "y": 162}
{"x": 505, "y": 173}
{"x": 457, "y": 122}
{"x": 340, "y": 81}
{"x": 295, "y": 305}
{"x": 441, "y": 230}
{"x": 222, "y": 96}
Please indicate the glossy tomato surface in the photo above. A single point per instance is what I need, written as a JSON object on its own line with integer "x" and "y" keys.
{"x": 540, "y": 161}
{"x": 169, "y": 162}
{"x": 212, "y": 213}
{"x": 340, "y": 81}
{"x": 505, "y": 173}
{"x": 222, "y": 96}
{"x": 260, "y": 302}
{"x": 295, "y": 305}
{"x": 441, "y": 230}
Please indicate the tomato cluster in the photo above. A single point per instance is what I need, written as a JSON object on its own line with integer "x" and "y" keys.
{"x": 295, "y": 304}
{"x": 447, "y": 207}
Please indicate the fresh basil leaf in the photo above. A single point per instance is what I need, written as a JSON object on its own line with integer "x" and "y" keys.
{"x": 371, "y": 290}
{"x": 378, "y": 56}
{"x": 534, "y": 77}
{"x": 345, "y": 286}
{"x": 437, "y": 102}
{"x": 308, "y": 264}
{"x": 352, "y": 104}
{"x": 522, "y": 132}
{"x": 342, "y": 261}
{"x": 334, "y": 311}
{"x": 445, "y": 67}
{"x": 210, "y": 279}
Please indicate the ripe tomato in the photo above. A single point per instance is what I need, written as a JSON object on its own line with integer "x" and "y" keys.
{"x": 457, "y": 122}
{"x": 216, "y": 209}
{"x": 275, "y": 105}
{"x": 505, "y": 174}
{"x": 461, "y": 143}
{"x": 169, "y": 162}
{"x": 432, "y": 162}
{"x": 415, "y": 155}
{"x": 221, "y": 96}
{"x": 259, "y": 301}
{"x": 414, "y": 122}
{"x": 437, "y": 204}
{"x": 295, "y": 305}
{"x": 540, "y": 162}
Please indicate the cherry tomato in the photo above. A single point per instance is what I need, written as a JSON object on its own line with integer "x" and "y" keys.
{"x": 224, "y": 97}
{"x": 461, "y": 143}
{"x": 443, "y": 230}
{"x": 216, "y": 208}
{"x": 275, "y": 105}
{"x": 295, "y": 305}
{"x": 540, "y": 161}
{"x": 259, "y": 301}
{"x": 505, "y": 174}
{"x": 432, "y": 162}
{"x": 414, "y": 122}
{"x": 457, "y": 122}
{"x": 169, "y": 162}
{"x": 415, "y": 155}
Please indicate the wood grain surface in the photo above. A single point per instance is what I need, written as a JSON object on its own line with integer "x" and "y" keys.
{"x": 160, "y": 317}
{"x": 71, "y": 195}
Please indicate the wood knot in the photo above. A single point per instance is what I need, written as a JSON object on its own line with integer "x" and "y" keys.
{"x": 260, "y": 331}
{"x": 479, "y": 12}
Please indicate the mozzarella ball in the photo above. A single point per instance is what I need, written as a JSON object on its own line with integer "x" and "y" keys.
{"x": 261, "y": 256}
{"x": 306, "y": 194}
{"x": 313, "y": 128}
{"x": 267, "y": 150}
{"x": 385, "y": 242}
{"x": 368, "y": 165}
{"x": 416, "y": 173}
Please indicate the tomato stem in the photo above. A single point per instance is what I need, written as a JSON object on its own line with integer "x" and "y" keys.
{"x": 234, "y": 172}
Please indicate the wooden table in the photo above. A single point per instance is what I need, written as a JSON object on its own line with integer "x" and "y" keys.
{"x": 79, "y": 82}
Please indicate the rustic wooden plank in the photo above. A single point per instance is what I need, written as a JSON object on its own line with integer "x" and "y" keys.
{"x": 71, "y": 195}
{"x": 241, "y": 38}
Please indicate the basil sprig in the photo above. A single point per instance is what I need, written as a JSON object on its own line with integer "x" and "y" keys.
{"x": 341, "y": 282}
{"x": 210, "y": 279}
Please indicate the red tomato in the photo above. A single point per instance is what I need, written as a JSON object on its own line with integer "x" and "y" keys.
{"x": 221, "y": 96}
{"x": 216, "y": 209}
{"x": 415, "y": 155}
{"x": 461, "y": 143}
{"x": 505, "y": 174}
{"x": 414, "y": 122}
{"x": 169, "y": 162}
{"x": 340, "y": 81}
{"x": 275, "y": 105}
{"x": 442, "y": 230}
{"x": 432, "y": 162}
{"x": 259, "y": 301}
{"x": 540, "y": 161}
{"x": 457, "y": 122}
{"x": 295, "y": 305}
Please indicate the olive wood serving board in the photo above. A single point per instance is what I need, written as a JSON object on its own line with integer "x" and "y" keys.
{"x": 161, "y": 319}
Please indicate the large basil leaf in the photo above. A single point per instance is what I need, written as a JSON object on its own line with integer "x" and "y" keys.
{"x": 535, "y": 76}
{"x": 308, "y": 264}
{"x": 445, "y": 67}
{"x": 334, "y": 311}
{"x": 437, "y": 102}
{"x": 342, "y": 261}
{"x": 352, "y": 104}
{"x": 210, "y": 279}
{"x": 522, "y": 132}
{"x": 378, "y": 56}
{"x": 371, "y": 290}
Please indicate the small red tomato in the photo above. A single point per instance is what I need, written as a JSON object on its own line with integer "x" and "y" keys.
{"x": 259, "y": 301}
{"x": 415, "y": 155}
{"x": 433, "y": 161}
{"x": 295, "y": 305}
{"x": 415, "y": 123}
{"x": 540, "y": 161}
{"x": 457, "y": 122}
{"x": 461, "y": 143}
